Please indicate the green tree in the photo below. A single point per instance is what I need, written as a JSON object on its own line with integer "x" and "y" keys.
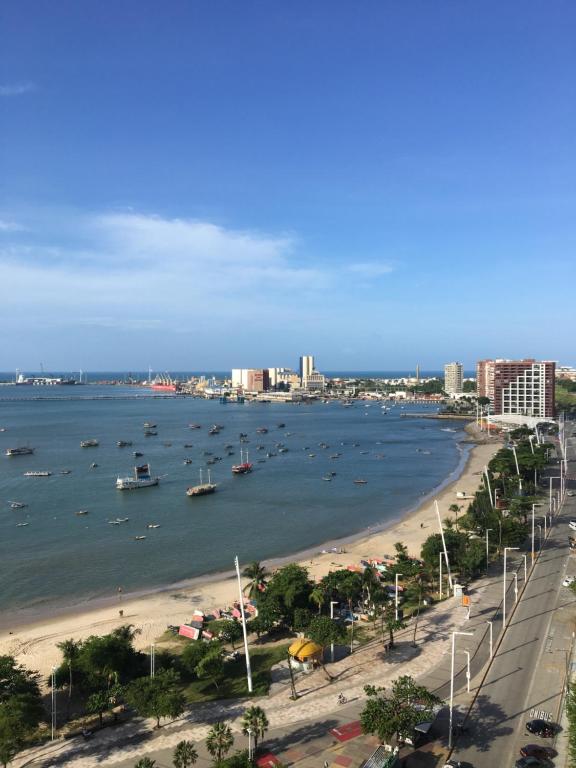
{"x": 318, "y": 596}
{"x": 98, "y": 702}
{"x": 325, "y": 631}
{"x": 184, "y": 755}
{"x": 211, "y": 667}
{"x": 255, "y": 722}
{"x": 145, "y": 762}
{"x": 302, "y": 619}
{"x": 256, "y": 573}
{"x": 70, "y": 652}
{"x": 290, "y": 588}
{"x": 571, "y": 714}
{"x": 419, "y": 588}
{"x": 395, "y": 712}
{"x": 20, "y": 693}
{"x": 157, "y": 696}
{"x": 390, "y": 623}
{"x": 219, "y": 740}
{"x": 193, "y": 654}
{"x": 227, "y": 630}
{"x": 12, "y": 735}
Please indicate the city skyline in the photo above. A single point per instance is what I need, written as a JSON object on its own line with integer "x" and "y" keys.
{"x": 379, "y": 184}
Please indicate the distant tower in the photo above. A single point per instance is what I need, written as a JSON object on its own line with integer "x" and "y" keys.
{"x": 306, "y": 366}
{"x": 417, "y": 374}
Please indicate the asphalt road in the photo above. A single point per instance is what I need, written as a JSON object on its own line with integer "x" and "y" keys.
{"x": 524, "y": 676}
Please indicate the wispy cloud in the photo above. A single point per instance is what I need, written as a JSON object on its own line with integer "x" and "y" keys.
{"x": 370, "y": 269}
{"x": 10, "y": 226}
{"x": 16, "y": 89}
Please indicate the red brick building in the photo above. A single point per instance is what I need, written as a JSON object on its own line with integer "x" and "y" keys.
{"x": 524, "y": 387}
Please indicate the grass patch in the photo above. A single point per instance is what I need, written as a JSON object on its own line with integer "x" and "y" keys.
{"x": 234, "y": 684}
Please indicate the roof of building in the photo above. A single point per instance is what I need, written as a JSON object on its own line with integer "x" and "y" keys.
{"x": 304, "y": 649}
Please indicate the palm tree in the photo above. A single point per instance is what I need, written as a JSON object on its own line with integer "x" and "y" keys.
{"x": 145, "y": 762}
{"x": 318, "y": 595}
{"x": 257, "y": 574}
{"x": 455, "y": 508}
{"x": 255, "y": 722}
{"x": 219, "y": 740}
{"x": 70, "y": 652}
{"x": 184, "y": 755}
{"x": 420, "y": 588}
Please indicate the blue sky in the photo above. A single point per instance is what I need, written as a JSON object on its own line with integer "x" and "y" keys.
{"x": 214, "y": 184}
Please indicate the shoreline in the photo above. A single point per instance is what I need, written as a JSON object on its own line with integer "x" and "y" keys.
{"x": 32, "y": 639}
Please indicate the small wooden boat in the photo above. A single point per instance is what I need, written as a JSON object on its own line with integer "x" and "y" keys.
{"x": 153, "y": 525}
{"x": 360, "y": 482}
{"x": 139, "y": 538}
{"x": 82, "y": 512}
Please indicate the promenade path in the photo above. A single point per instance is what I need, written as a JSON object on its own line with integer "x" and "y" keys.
{"x": 317, "y": 703}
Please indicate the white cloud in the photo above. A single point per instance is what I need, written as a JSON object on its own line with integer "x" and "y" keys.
{"x": 370, "y": 269}
{"x": 10, "y": 226}
{"x": 16, "y": 89}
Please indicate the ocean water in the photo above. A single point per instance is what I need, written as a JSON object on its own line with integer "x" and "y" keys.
{"x": 60, "y": 559}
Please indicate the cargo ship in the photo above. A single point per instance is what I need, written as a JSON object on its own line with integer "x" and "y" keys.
{"x": 164, "y": 384}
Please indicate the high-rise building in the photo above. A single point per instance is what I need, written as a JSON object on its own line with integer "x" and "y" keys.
{"x": 251, "y": 379}
{"x": 523, "y": 387}
{"x": 306, "y": 366}
{"x": 453, "y": 377}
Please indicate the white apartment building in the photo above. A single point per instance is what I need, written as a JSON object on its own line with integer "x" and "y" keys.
{"x": 306, "y": 367}
{"x": 453, "y": 377}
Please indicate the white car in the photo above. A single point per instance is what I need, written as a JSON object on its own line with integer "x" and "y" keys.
{"x": 568, "y": 580}
{"x": 572, "y": 524}
{"x": 570, "y": 493}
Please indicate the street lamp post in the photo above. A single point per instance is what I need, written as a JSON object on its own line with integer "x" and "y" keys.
{"x": 540, "y": 536}
{"x": 452, "y": 685}
{"x": 440, "y": 575}
{"x": 506, "y": 549}
{"x": 517, "y": 468}
{"x": 515, "y": 586}
{"x": 525, "y": 569}
{"x": 491, "y": 645}
{"x": 467, "y": 670}
{"x": 152, "y": 660}
{"x": 332, "y": 604}
{"x": 545, "y": 527}
{"x": 53, "y": 728}
{"x": 487, "y": 550}
{"x": 249, "y": 732}
{"x": 396, "y": 575}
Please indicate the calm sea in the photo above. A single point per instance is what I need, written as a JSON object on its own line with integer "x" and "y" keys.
{"x": 284, "y": 506}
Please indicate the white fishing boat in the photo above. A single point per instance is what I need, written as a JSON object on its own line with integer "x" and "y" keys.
{"x": 23, "y": 450}
{"x": 89, "y": 444}
{"x": 17, "y": 504}
{"x": 37, "y": 474}
{"x": 141, "y": 479}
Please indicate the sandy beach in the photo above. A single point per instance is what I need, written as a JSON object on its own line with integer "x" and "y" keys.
{"x": 34, "y": 644}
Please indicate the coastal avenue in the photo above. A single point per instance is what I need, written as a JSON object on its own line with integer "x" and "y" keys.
{"x": 527, "y": 674}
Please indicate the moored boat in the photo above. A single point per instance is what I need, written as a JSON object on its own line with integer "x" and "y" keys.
{"x": 17, "y": 504}
{"x": 123, "y": 443}
{"x": 37, "y": 474}
{"x": 89, "y": 443}
{"x": 203, "y": 488}
{"x": 141, "y": 479}
{"x": 244, "y": 467}
{"x": 21, "y": 451}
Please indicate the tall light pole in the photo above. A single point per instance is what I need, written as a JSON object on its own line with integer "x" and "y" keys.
{"x": 444, "y": 545}
{"x": 440, "y": 575}
{"x": 545, "y": 527}
{"x": 525, "y": 569}
{"x": 249, "y": 732}
{"x": 332, "y": 604}
{"x": 244, "y": 632}
{"x": 152, "y": 660}
{"x": 515, "y": 586}
{"x": 452, "y": 684}
{"x": 487, "y": 476}
{"x": 517, "y": 467}
{"x": 487, "y": 550}
{"x": 533, "y": 511}
{"x": 396, "y": 575}
{"x": 506, "y": 549}
{"x": 467, "y": 670}
{"x": 491, "y": 646}
{"x": 53, "y": 728}
{"x": 540, "y": 536}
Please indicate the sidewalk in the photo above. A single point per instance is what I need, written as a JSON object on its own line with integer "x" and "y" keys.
{"x": 429, "y": 662}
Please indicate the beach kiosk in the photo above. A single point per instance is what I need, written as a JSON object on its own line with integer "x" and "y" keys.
{"x": 305, "y": 654}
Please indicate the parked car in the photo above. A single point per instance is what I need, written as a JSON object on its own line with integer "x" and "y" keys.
{"x": 531, "y": 762}
{"x": 541, "y": 728}
{"x": 570, "y": 493}
{"x": 568, "y": 580}
{"x": 572, "y": 524}
{"x": 537, "y": 750}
